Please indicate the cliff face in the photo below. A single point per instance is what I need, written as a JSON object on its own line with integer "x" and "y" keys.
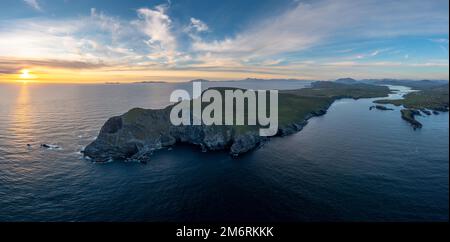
{"x": 137, "y": 133}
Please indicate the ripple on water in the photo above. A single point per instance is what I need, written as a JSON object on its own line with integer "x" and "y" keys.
{"x": 350, "y": 164}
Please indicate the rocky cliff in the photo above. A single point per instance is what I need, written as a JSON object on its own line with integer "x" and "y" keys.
{"x": 137, "y": 133}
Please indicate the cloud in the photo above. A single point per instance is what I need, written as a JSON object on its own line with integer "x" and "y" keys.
{"x": 323, "y": 22}
{"x": 321, "y": 39}
{"x": 375, "y": 53}
{"x": 92, "y": 38}
{"x": 344, "y": 50}
{"x": 13, "y": 65}
{"x": 156, "y": 24}
{"x": 441, "y": 63}
{"x": 34, "y": 4}
{"x": 195, "y": 28}
{"x": 9, "y": 69}
{"x": 197, "y": 25}
{"x": 440, "y": 41}
{"x": 371, "y": 54}
{"x": 105, "y": 22}
{"x": 146, "y": 40}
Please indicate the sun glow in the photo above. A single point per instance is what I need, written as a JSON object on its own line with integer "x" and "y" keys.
{"x": 25, "y": 74}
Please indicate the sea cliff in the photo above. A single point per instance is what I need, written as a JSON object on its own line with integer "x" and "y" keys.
{"x": 139, "y": 132}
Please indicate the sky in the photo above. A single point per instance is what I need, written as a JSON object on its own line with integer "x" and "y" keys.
{"x": 159, "y": 40}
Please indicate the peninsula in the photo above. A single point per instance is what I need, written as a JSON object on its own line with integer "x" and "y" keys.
{"x": 136, "y": 134}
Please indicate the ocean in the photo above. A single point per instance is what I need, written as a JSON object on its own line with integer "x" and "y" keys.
{"x": 352, "y": 164}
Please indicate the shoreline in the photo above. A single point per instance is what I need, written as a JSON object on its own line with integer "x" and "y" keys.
{"x": 136, "y": 134}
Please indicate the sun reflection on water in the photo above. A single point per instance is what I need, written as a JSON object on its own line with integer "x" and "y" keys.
{"x": 22, "y": 117}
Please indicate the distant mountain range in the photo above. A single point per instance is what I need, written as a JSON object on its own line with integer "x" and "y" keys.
{"x": 417, "y": 84}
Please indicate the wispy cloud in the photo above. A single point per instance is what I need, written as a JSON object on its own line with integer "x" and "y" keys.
{"x": 14, "y": 65}
{"x": 321, "y": 22}
{"x": 92, "y": 38}
{"x": 34, "y": 4}
{"x": 443, "y": 44}
{"x": 371, "y": 54}
{"x": 344, "y": 50}
{"x": 157, "y": 25}
{"x": 197, "y": 25}
{"x": 440, "y": 41}
{"x": 304, "y": 41}
{"x": 51, "y": 63}
{"x": 107, "y": 23}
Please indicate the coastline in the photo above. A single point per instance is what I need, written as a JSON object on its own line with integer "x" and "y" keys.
{"x": 136, "y": 134}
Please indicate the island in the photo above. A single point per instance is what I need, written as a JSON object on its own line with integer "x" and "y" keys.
{"x": 139, "y": 132}
{"x": 409, "y": 116}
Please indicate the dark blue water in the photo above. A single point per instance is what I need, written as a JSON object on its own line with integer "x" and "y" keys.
{"x": 350, "y": 165}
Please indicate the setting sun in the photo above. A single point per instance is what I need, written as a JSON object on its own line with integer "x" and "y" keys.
{"x": 25, "y": 74}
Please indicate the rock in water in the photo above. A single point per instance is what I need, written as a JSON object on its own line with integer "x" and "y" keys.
{"x": 409, "y": 116}
{"x": 380, "y": 107}
{"x": 50, "y": 147}
{"x": 425, "y": 111}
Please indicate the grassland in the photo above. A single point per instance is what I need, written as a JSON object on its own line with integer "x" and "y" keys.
{"x": 140, "y": 131}
{"x": 435, "y": 98}
{"x": 295, "y": 106}
{"x": 427, "y": 98}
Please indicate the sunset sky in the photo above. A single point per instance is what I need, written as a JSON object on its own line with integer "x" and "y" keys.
{"x": 179, "y": 40}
